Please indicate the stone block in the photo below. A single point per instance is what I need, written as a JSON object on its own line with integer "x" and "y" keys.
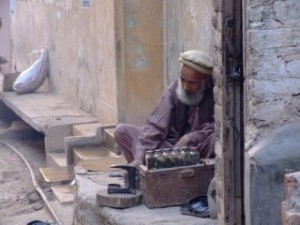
{"x": 287, "y": 12}
{"x": 267, "y": 90}
{"x": 273, "y": 41}
{"x": 275, "y": 68}
{"x": 265, "y": 166}
{"x": 54, "y": 138}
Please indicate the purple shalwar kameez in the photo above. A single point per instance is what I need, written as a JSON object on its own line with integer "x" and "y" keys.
{"x": 170, "y": 120}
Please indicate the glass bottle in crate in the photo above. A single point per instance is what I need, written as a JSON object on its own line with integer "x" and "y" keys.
{"x": 186, "y": 155}
{"x": 159, "y": 160}
{"x": 168, "y": 159}
{"x": 195, "y": 156}
{"x": 150, "y": 160}
{"x": 177, "y": 157}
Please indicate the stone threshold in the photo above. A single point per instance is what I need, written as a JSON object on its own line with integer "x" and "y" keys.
{"x": 89, "y": 212}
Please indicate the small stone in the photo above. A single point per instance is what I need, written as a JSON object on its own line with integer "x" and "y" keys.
{"x": 33, "y": 197}
{"x": 38, "y": 206}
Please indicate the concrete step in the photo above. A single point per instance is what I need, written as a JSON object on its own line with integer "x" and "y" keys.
{"x": 96, "y": 158}
{"x": 64, "y": 193}
{"x": 88, "y": 129}
{"x": 57, "y": 174}
{"x": 101, "y": 165}
{"x": 55, "y": 159}
{"x": 91, "y": 152}
{"x": 109, "y": 140}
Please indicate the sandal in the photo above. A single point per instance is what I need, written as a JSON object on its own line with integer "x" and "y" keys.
{"x": 38, "y": 222}
{"x": 196, "y": 207}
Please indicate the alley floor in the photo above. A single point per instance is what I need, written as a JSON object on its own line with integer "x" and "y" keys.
{"x": 19, "y": 202}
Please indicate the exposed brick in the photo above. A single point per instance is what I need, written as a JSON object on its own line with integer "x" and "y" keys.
{"x": 291, "y": 184}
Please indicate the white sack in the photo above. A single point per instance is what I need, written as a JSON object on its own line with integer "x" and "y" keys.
{"x": 32, "y": 78}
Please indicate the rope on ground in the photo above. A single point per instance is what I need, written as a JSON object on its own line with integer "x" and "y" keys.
{"x": 35, "y": 184}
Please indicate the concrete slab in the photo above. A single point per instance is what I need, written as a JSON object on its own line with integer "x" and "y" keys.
{"x": 88, "y": 212}
{"x": 101, "y": 165}
{"x": 43, "y": 110}
{"x": 57, "y": 174}
{"x": 64, "y": 193}
{"x": 89, "y": 129}
{"x": 109, "y": 140}
{"x": 56, "y": 159}
{"x": 91, "y": 152}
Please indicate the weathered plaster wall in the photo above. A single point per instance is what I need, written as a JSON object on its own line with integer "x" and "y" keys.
{"x": 198, "y": 25}
{"x": 81, "y": 43}
{"x": 140, "y": 45}
{"x": 5, "y": 34}
{"x": 188, "y": 25}
{"x": 272, "y": 66}
{"x": 107, "y": 58}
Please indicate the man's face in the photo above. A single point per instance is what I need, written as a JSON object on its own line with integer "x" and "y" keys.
{"x": 191, "y": 86}
{"x": 191, "y": 80}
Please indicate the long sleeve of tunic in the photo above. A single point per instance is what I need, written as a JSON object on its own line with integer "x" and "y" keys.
{"x": 172, "y": 119}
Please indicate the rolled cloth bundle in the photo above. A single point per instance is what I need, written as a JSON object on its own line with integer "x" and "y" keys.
{"x": 32, "y": 78}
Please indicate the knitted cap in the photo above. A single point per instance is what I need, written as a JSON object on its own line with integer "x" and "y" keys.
{"x": 197, "y": 60}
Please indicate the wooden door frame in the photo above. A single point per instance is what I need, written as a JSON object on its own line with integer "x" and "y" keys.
{"x": 233, "y": 113}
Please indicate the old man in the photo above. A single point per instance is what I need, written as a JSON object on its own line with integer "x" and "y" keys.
{"x": 184, "y": 115}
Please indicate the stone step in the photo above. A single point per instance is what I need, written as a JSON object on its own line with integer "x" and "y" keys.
{"x": 91, "y": 152}
{"x": 55, "y": 159}
{"x": 101, "y": 164}
{"x": 88, "y": 129}
{"x": 96, "y": 158}
{"x": 64, "y": 193}
{"x": 57, "y": 174}
{"x": 109, "y": 140}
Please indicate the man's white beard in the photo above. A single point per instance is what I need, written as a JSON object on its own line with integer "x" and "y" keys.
{"x": 191, "y": 99}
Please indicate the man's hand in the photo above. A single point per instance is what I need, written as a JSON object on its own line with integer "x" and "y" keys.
{"x": 183, "y": 141}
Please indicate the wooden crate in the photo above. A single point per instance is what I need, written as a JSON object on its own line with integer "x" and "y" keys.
{"x": 174, "y": 186}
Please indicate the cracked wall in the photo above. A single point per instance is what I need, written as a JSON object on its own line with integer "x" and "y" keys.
{"x": 272, "y": 66}
{"x": 81, "y": 50}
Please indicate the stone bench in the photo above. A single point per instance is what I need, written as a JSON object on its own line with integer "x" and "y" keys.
{"x": 45, "y": 112}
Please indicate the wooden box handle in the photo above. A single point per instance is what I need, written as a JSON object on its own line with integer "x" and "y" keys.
{"x": 187, "y": 173}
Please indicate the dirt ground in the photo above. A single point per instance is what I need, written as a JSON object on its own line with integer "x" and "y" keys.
{"x": 19, "y": 202}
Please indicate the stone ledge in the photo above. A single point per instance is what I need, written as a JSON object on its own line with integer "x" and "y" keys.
{"x": 42, "y": 110}
{"x": 88, "y": 212}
